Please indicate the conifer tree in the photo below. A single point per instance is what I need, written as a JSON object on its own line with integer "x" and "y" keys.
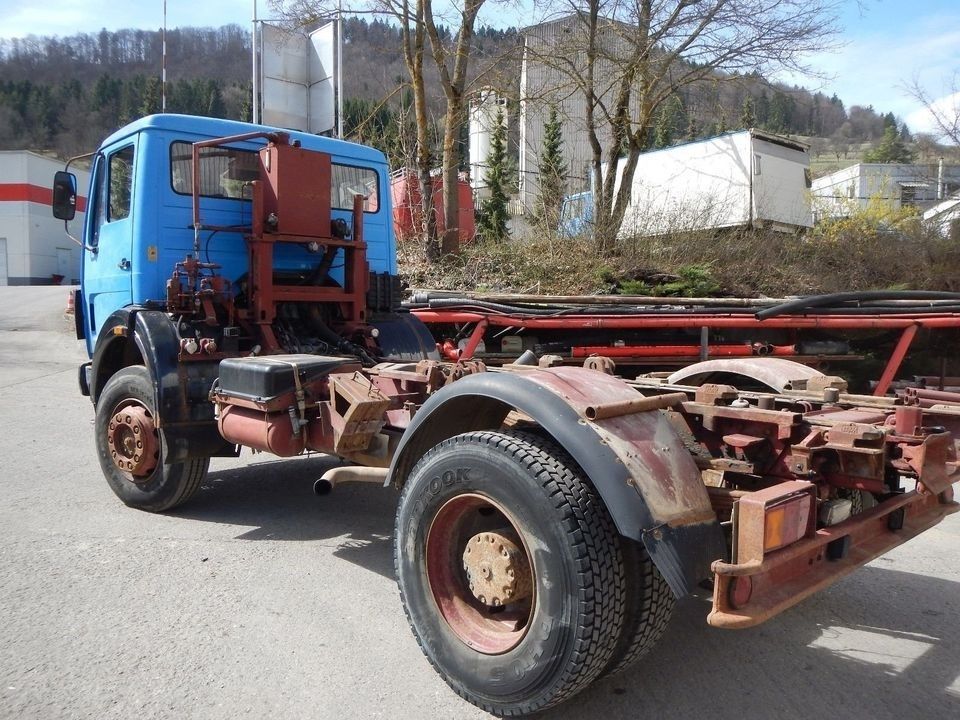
{"x": 492, "y": 219}
{"x": 747, "y": 118}
{"x": 553, "y": 173}
{"x": 891, "y": 149}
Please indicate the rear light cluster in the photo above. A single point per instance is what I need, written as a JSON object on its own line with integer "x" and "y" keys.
{"x": 773, "y": 518}
{"x": 765, "y": 521}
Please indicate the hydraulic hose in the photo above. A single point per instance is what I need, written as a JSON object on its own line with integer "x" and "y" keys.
{"x": 833, "y": 299}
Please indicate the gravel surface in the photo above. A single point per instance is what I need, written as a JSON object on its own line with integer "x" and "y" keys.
{"x": 260, "y": 600}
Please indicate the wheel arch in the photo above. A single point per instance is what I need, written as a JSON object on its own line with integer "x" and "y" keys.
{"x": 138, "y": 336}
{"x": 681, "y": 547}
{"x": 777, "y": 373}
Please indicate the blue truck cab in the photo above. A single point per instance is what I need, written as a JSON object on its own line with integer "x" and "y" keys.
{"x": 139, "y": 221}
{"x": 576, "y": 214}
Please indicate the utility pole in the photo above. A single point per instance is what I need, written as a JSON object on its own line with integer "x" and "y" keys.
{"x": 163, "y": 62}
{"x": 253, "y": 50}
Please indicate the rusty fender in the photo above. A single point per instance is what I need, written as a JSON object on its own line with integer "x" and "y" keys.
{"x": 638, "y": 463}
{"x": 133, "y": 336}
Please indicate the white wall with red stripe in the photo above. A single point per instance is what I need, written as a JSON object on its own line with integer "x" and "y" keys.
{"x": 34, "y": 249}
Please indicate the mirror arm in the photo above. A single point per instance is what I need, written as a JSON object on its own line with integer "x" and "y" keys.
{"x": 66, "y": 229}
{"x": 66, "y": 223}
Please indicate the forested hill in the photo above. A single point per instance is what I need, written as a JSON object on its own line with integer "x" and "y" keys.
{"x": 63, "y": 95}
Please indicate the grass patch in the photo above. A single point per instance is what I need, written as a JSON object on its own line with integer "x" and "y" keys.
{"x": 864, "y": 252}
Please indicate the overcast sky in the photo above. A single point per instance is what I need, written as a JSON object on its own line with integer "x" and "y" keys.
{"x": 886, "y": 43}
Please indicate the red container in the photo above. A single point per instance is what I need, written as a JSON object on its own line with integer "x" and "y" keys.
{"x": 408, "y": 212}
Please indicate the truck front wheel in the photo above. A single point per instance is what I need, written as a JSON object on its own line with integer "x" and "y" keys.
{"x": 510, "y": 571}
{"x": 131, "y": 450}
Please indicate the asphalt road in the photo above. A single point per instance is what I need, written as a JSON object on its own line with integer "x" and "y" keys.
{"x": 261, "y": 600}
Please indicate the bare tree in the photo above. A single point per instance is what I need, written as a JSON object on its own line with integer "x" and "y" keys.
{"x": 943, "y": 111}
{"x": 627, "y": 57}
{"x": 421, "y": 23}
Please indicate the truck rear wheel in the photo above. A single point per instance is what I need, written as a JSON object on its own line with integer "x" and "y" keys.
{"x": 510, "y": 571}
{"x": 649, "y": 606}
{"x": 131, "y": 450}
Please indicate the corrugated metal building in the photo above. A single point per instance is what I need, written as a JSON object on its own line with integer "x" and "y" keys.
{"x": 34, "y": 250}
{"x": 546, "y": 49}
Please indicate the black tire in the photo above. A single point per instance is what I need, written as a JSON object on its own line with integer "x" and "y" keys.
{"x": 164, "y": 486}
{"x": 648, "y": 599}
{"x": 574, "y": 614}
{"x": 649, "y": 606}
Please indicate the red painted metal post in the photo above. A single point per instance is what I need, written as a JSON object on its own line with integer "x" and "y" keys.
{"x": 475, "y": 337}
{"x": 896, "y": 358}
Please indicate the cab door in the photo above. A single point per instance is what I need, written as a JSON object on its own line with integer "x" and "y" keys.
{"x": 107, "y": 268}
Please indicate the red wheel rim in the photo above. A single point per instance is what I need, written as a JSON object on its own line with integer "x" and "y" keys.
{"x": 458, "y": 582}
{"x": 132, "y": 440}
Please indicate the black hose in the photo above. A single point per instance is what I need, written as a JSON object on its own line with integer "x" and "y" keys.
{"x": 818, "y": 301}
{"x": 557, "y": 311}
{"x": 874, "y": 309}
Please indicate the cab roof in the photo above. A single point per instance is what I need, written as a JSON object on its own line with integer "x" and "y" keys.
{"x": 205, "y": 127}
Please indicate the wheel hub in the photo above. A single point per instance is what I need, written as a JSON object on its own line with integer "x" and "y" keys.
{"x": 132, "y": 439}
{"x": 497, "y": 570}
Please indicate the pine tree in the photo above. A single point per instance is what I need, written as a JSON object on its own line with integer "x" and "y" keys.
{"x": 747, "y": 118}
{"x": 670, "y": 119}
{"x": 492, "y": 219}
{"x": 891, "y": 149}
{"x": 150, "y": 104}
{"x": 246, "y": 107}
{"x": 215, "y": 106}
{"x": 553, "y": 173}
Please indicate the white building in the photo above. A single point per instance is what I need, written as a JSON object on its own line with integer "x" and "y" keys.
{"x": 895, "y": 185}
{"x": 34, "y": 249}
{"x": 543, "y": 84}
{"x": 944, "y": 217}
{"x": 486, "y": 106}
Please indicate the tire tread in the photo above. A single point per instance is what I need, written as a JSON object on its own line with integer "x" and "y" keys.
{"x": 600, "y": 569}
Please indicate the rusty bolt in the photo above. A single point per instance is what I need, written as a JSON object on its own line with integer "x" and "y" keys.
{"x": 496, "y": 602}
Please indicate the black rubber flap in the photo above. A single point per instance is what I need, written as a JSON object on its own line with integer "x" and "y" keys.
{"x": 263, "y": 378}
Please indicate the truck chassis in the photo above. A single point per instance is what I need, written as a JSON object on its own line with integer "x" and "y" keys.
{"x": 549, "y": 515}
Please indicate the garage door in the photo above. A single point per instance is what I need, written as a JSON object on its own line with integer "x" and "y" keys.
{"x": 3, "y": 261}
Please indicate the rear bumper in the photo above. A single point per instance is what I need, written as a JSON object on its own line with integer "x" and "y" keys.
{"x": 787, "y": 576}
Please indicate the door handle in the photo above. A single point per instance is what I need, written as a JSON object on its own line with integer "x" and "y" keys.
{"x": 124, "y": 264}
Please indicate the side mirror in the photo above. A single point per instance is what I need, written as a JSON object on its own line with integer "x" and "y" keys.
{"x": 64, "y": 195}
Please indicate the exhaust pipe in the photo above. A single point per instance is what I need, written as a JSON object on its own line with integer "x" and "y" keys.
{"x": 349, "y": 473}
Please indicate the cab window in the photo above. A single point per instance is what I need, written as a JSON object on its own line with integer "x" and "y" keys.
{"x": 114, "y": 189}
{"x": 121, "y": 184}
{"x": 347, "y": 181}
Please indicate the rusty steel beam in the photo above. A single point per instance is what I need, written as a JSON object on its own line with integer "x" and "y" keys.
{"x": 896, "y": 358}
